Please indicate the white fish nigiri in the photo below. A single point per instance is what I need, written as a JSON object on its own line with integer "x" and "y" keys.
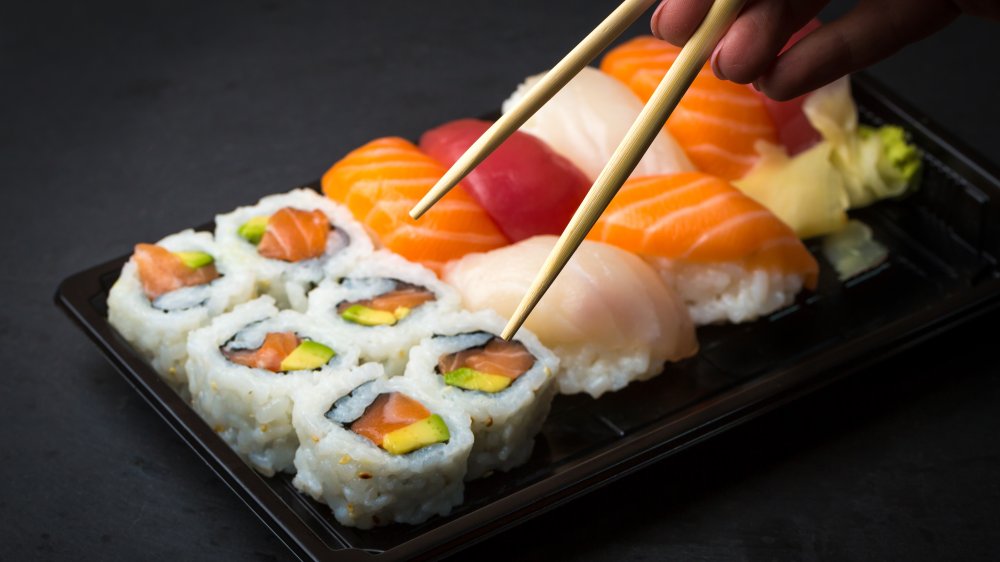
{"x": 608, "y": 316}
{"x": 587, "y": 120}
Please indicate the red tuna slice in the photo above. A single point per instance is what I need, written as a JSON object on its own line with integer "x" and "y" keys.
{"x": 525, "y": 187}
{"x": 794, "y": 130}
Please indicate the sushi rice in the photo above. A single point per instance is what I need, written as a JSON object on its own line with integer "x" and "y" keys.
{"x": 364, "y": 485}
{"x": 250, "y": 408}
{"x": 721, "y": 292}
{"x": 289, "y": 283}
{"x": 158, "y": 329}
{"x": 375, "y": 275}
{"x": 504, "y": 423}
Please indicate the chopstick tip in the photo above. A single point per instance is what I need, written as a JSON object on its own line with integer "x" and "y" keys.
{"x": 510, "y": 330}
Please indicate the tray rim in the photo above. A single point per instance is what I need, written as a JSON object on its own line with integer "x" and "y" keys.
{"x": 673, "y": 434}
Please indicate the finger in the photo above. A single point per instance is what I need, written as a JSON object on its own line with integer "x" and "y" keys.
{"x": 753, "y": 41}
{"x": 871, "y": 31}
{"x": 674, "y": 21}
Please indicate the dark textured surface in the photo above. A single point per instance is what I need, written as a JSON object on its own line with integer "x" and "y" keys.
{"x": 130, "y": 121}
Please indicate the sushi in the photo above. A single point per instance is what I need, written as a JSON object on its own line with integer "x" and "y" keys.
{"x": 727, "y": 256}
{"x": 380, "y": 452}
{"x": 386, "y": 305}
{"x": 244, "y": 367}
{"x": 608, "y": 316}
{"x": 521, "y": 169}
{"x": 381, "y": 181}
{"x": 587, "y": 120}
{"x": 718, "y": 123}
{"x": 168, "y": 289}
{"x": 505, "y": 386}
{"x": 292, "y": 241}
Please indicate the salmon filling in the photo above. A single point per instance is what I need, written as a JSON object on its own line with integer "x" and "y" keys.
{"x": 276, "y": 347}
{"x": 496, "y": 357}
{"x": 162, "y": 271}
{"x": 294, "y": 235}
{"x": 388, "y": 413}
{"x": 399, "y": 424}
{"x": 404, "y": 296}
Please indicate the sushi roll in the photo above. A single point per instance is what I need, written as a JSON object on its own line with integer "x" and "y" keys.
{"x": 728, "y": 257}
{"x": 386, "y": 305}
{"x": 505, "y": 386}
{"x": 168, "y": 289}
{"x": 292, "y": 241}
{"x": 608, "y": 316}
{"x": 244, "y": 367}
{"x": 385, "y": 451}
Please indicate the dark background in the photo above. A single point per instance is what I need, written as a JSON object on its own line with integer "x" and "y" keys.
{"x": 124, "y": 121}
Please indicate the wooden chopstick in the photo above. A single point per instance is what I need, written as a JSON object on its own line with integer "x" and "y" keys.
{"x": 537, "y": 96}
{"x": 626, "y": 157}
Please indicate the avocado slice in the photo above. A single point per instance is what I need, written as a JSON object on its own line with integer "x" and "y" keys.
{"x": 471, "y": 379}
{"x": 361, "y": 314}
{"x": 253, "y": 230}
{"x": 401, "y": 312}
{"x": 194, "y": 260}
{"x": 416, "y": 435}
{"x": 307, "y": 356}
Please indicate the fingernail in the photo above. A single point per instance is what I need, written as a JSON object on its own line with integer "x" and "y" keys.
{"x": 715, "y": 60}
{"x": 654, "y": 22}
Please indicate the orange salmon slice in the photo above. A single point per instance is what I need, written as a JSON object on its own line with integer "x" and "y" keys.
{"x": 381, "y": 181}
{"x": 697, "y": 218}
{"x": 295, "y": 235}
{"x": 717, "y": 122}
{"x": 160, "y": 271}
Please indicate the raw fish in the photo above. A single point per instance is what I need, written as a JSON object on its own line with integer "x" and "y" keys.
{"x": 728, "y": 257}
{"x": 717, "y": 122}
{"x": 525, "y": 187}
{"x": 381, "y": 181}
{"x": 587, "y": 120}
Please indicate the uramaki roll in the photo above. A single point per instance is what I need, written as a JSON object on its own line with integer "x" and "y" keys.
{"x": 292, "y": 241}
{"x": 244, "y": 367}
{"x": 387, "y": 304}
{"x": 386, "y": 451}
{"x": 170, "y": 288}
{"x": 505, "y": 387}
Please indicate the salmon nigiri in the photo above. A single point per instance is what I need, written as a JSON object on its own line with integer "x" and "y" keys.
{"x": 716, "y": 122}
{"x": 725, "y": 254}
{"x": 381, "y": 181}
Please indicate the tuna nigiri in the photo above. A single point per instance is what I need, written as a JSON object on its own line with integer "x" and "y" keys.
{"x": 587, "y": 120}
{"x": 716, "y": 122}
{"x": 381, "y": 181}
{"x": 727, "y": 255}
{"x": 525, "y": 187}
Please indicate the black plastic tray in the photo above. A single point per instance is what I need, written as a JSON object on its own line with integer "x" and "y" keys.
{"x": 944, "y": 243}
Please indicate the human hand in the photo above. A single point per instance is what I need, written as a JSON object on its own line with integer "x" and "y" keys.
{"x": 751, "y": 51}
